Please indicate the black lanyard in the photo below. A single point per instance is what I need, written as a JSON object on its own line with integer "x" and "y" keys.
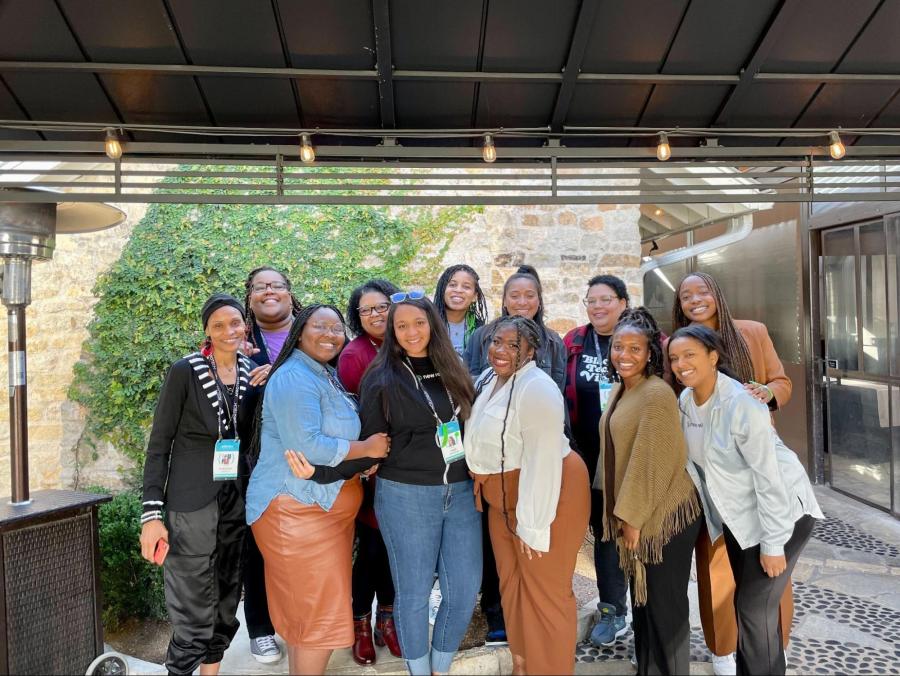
{"x": 339, "y": 387}
{"x": 232, "y": 415}
{"x": 428, "y": 400}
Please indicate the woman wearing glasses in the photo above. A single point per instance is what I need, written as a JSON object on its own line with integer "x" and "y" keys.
{"x": 305, "y": 529}
{"x": 418, "y": 392}
{"x": 367, "y": 318}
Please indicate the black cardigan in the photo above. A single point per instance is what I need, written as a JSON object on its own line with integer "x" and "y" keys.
{"x": 178, "y": 467}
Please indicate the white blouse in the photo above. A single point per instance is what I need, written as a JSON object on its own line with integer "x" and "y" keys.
{"x": 535, "y": 444}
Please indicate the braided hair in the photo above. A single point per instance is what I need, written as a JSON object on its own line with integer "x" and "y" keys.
{"x": 735, "y": 347}
{"x": 528, "y": 330}
{"x": 252, "y": 325}
{"x": 292, "y": 340}
{"x": 640, "y": 319}
{"x": 477, "y": 310}
{"x": 382, "y": 286}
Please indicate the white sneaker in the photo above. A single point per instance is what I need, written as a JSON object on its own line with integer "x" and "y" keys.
{"x": 724, "y": 665}
{"x": 264, "y": 649}
{"x": 434, "y": 602}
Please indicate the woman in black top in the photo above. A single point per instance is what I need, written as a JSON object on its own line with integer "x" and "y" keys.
{"x": 193, "y": 468}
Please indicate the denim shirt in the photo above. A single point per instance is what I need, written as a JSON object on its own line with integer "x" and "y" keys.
{"x": 302, "y": 411}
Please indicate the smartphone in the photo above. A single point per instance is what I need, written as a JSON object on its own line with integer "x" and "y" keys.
{"x": 159, "y": 554}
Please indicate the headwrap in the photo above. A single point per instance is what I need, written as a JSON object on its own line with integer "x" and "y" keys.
{"x": 218, "y": 300}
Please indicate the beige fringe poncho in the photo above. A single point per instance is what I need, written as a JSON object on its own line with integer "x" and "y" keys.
{"x": 652, "y": 489}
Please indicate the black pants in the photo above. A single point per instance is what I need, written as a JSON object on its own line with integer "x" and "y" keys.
{"x": 662, "y": 627}
{"x": 256, "y": 603}
{"x": 490, "y": 580}
{"x": 756, "y": 600}
{"x": 371, "y": 571}
{"x": 202, "y": 576}
{"x": 610, "y": 578}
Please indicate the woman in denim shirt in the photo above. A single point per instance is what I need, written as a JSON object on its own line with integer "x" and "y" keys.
{"x": 305, "y": 529}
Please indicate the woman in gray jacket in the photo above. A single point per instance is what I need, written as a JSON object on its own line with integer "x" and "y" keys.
{"x": 754, "y": 490}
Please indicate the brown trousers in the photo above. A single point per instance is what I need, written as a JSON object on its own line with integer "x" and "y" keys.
{"x": 538, "y": 603}
{"x": 715, "y": 589}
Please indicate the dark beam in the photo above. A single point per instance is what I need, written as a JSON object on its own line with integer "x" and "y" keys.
{"x": 750, "y": 72}
{"x": 381, "y": 11}
{"x": 583, "y": 25}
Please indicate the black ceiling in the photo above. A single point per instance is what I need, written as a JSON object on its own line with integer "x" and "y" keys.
{"x": 408, "y": 64}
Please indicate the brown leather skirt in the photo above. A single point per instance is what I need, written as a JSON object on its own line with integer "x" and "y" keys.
{"x": 307, "y": 553}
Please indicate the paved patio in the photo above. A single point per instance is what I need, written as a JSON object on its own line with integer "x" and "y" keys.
{"x": 847, "y": 615}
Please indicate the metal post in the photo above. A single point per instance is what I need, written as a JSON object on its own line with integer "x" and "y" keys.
{"x": 16, "y": 296}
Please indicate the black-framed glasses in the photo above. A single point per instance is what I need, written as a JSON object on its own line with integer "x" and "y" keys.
{"x": 401, "y": 296}
{"x": 378, "y": 309}
{"x": 259, "y": 287}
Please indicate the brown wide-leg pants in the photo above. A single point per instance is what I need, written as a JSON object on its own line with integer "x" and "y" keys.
{"x": 538, "y": 604}
{"x": 715, "y": 589}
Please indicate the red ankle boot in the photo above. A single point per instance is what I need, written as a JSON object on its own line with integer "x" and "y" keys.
{"x": 363, "y": 650}
{"x": 385, "y": 631}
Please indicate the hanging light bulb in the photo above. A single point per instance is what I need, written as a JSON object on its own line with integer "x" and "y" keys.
{"x": 489, "y": 150}
{"x": 112, "y": 145}
{"x": 836, "y": 148}
{"x": 307, "y": 152}
{"x": 663, "y": 149}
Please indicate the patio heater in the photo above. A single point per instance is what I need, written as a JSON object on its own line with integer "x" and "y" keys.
{"x": 49, "y": 549}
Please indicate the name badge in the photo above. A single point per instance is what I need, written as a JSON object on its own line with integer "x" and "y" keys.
{"x": 605, "y": 390}
{"x": 449, "y": 439}
{"x": 225, "y": 459}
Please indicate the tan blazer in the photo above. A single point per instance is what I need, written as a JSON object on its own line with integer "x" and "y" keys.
{"x": 767, "y": 367}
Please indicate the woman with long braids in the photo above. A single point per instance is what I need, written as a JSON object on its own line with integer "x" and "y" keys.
{"x": 461, "y": 304}
{"x": 538, "y": 494}
{"x": 271, "y": 307}
{"x": 756, "y": 495}
{"x": 650, "y": 507}
{"x": 750, "y": 351}
{"x": 418, "y": 392}
{"x": 523, "y": 296}
{"x": 305, "y": 529}
{"x": 195, "y": 458}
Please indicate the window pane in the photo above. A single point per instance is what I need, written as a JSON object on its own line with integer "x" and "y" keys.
{"x": 873, "y": 280}
{"x": 840, "y": 298}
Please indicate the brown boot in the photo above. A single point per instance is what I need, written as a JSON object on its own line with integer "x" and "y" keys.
{"x": 385, "y": 631}
{"x": 363, "y": 650}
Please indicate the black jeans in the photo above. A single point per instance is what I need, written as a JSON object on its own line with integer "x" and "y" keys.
{"x": 662, "y": 627}
{"x": 371, "y": 572}
{"x": 256, "y": 603}
{"x": 490, "y": 580}
{"x": 610, "y": 579}
{"x": 756, "y": 600}
{"x": 202, "y": 576}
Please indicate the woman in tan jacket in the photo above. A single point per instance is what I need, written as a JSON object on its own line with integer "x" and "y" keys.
{"x": 651, "y": 508}
{"x": 750, "y": 351}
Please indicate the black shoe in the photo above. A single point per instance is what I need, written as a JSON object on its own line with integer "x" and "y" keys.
{"x": 496, "y": 633}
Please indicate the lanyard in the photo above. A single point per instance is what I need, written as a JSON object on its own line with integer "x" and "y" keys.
{"x": 340, "y": 389}
{"x": 232, "y": 415}
{"x": 428, "y": 399}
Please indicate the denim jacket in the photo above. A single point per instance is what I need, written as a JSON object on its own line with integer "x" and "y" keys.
{"x": 756, "y": 483}
{"x": 303, "y": 411}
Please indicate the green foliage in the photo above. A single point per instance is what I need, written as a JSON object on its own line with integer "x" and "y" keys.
{"x": 148, "y": 313}
{"x": 132, "y": 588}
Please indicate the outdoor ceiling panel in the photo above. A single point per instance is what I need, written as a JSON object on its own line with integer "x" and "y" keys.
{"x": 146, "y": 37}
{"x": 332, "y": 34}
{"x": 631, "y": 37}
{"x": 442, "y": 35}
{"x": 34, "y": 30}
{"x": 772, "y": 104}
{"x": 529, "y": 35}
{"x": 846, "y": 105}
{"x": 436, "y": 105}
{"x": 144, "y": 98}
{"x": 889, "y": 117}
{"x": 718, "y": 37}
{"x": 683, "y": 105}
{"x": 817, "y": 34}
{"x": 878, "y": 48}
{"x": 515, "y": 105}
{"x": 10, "y": 110}
{"x": 251, "y": 101}
{"x": 606, "y": 105}
{"x": 339, "y": 103}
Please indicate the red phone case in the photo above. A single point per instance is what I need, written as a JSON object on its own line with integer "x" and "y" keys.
{"x": 159, "y": 553}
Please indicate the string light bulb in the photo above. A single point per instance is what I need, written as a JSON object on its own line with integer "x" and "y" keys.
{"x": 836, "y": 148}
{"x": 489, "y": 150}
{"x": 112, "y": 145}
{"x": 307, "y": 152}
{"x": 663, "y": 149}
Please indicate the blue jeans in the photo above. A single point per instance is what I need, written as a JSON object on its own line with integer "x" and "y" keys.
{"x": 428, "y": 528}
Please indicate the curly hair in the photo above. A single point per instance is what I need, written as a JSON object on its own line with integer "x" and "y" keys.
{"x": 382, "y": 286}
{"x": 296, "y": 306}
{"x": 614, "y": 283}
{"x": 640, "y": 319}
{"x": 478, "y": 308}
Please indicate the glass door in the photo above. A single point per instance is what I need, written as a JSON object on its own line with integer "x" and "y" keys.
{"x": 859, "y": 312}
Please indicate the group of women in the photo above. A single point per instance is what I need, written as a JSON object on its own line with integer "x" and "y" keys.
{"x": 484, "y": 448}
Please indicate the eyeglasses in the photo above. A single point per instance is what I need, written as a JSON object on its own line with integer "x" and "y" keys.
{"x": 600, "y": 300}
{"x": 259, "y": 287}
{"x": 378, "y": 309}
{"x": 334, "y": 329}
{"x": 401, "y": 296}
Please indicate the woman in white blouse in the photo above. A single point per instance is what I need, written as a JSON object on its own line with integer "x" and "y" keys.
{"x": 539, "y": 497}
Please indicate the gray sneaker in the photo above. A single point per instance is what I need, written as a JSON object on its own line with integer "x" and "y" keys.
{"x": 609, "y": 628}
{"x": 264, "y": 649}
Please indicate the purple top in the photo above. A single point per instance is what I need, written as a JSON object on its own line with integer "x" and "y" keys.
{"x": 274, "y": 342}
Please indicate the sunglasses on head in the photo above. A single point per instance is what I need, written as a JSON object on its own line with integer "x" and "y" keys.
{"x": 401, "y": 296}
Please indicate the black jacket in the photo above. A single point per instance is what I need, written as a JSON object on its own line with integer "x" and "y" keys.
{"x": 178, "y": 467}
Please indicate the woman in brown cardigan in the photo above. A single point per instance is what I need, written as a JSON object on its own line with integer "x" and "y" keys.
{"x": 651, "y": 508}
{"x": 752, "y": 355}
